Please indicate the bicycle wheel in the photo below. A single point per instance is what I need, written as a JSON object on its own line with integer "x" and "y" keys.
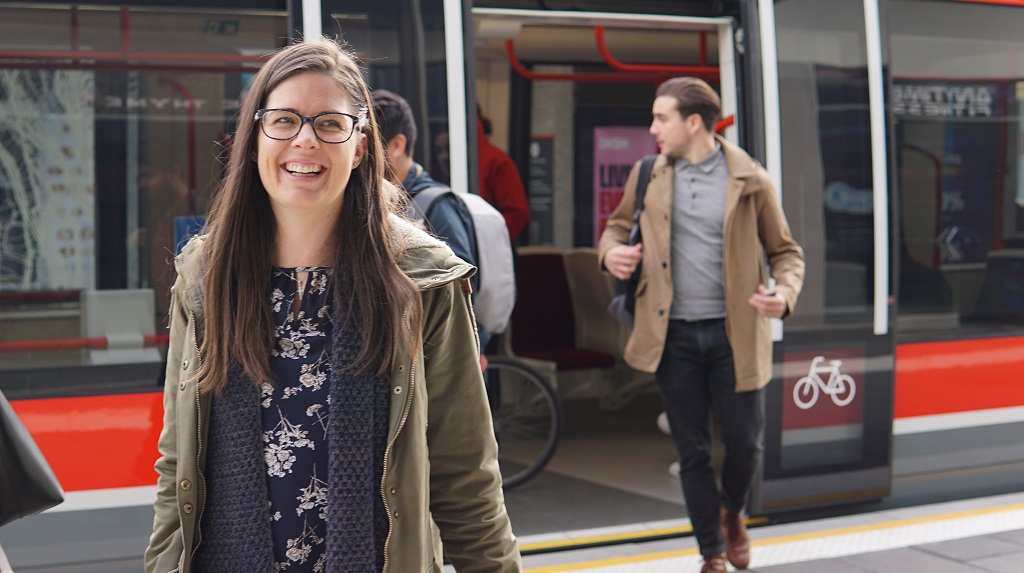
{"x": 805, "y": 393}
{"x": 527, "y": 418}
{"x": 845, "y": 388}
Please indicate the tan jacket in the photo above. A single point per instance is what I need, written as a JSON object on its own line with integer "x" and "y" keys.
{"x": 452, "y": 488}
{"x": 754, "y": 226}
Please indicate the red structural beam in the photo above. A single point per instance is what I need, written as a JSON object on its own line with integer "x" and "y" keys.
{"x": 97, "y": 342}
{"x": 115, "y": 66}
{"x": 40, "y": 295}
{"x": 1001, "y": 2}
{"x": 128, "y": 56}
{"x": 710, "y": 72}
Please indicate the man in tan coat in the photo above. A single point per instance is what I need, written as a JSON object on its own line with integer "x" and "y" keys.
{"x": 711, "y": 223}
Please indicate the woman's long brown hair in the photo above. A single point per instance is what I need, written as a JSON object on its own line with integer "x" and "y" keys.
{"x": 371, "y": 293}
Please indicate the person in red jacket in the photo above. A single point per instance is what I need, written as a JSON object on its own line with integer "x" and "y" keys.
{"x": 500, "y": 183}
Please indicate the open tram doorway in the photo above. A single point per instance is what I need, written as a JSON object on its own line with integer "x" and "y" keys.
{"x": 568, "y": 96}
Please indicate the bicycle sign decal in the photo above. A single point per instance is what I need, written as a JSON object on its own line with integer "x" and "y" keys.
{"x": 840, "y": 387}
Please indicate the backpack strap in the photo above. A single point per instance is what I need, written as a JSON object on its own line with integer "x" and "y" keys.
{"x": 423, "y": 202}
{"x": 646, "y": 166}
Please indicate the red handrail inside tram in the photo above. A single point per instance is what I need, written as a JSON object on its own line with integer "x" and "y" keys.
{"x": 702, "y": 70}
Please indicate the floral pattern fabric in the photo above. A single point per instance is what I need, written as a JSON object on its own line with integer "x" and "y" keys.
{"x": 295, "y": 418}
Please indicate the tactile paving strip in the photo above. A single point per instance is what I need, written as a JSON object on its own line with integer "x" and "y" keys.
{"x": 832, "y": 543}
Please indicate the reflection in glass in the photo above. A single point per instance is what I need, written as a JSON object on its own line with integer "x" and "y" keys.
{"x": 956, "y": 103}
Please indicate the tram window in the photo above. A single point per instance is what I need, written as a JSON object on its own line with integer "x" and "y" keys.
{"x": 957, "y": 98}
{"x": 118, "y": 154}
{"x": 826, "y": 156}
{"x": 107, "y": 156}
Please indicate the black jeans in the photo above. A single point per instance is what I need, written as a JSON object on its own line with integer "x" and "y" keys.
{"x": 696, "y": 374}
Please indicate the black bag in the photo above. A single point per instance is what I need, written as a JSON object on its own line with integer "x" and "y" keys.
{"x": 624, "y": 298}
{"x": 27, "y": 484}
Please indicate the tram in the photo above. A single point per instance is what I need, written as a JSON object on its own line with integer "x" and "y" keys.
{"x": 892, "y": 128}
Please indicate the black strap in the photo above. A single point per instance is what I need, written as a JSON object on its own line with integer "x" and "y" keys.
{"x": 646, "y": 166}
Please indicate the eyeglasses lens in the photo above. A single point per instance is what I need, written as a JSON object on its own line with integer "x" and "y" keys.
{"x": 329, "y": 127}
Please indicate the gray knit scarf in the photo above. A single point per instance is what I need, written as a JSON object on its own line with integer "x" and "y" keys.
{"x": 235, "y": 525}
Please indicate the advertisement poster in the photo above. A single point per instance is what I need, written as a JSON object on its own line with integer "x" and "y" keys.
{"x": 616, "y": 150}
{"x": 47, "y": 183}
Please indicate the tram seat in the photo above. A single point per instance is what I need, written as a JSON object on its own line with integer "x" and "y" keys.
{"x": 544, "y": 319}
{"x": 1001, "y": 297}
{"x": 561, "y": 319}
{"x": 591, "y": 292}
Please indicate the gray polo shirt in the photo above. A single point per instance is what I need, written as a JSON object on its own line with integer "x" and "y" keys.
{"x": 698, "y": 214}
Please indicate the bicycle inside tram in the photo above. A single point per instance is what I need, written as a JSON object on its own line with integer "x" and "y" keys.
{"x": 891, "y": 128}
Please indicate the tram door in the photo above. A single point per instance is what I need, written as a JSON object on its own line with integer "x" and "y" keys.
{"x": 589, "y": 80}
{"x": 829, "y": 406}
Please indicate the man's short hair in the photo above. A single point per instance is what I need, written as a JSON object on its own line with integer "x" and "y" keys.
{"x": 394, "y": 116}
{"x": 694, "y": 95}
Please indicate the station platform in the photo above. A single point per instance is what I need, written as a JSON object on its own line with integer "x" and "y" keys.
{"x": 982, "y": 534}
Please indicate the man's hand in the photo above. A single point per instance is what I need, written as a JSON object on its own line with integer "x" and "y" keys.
{"x": 767, "y": 303}
{"x": 622, "y": 260}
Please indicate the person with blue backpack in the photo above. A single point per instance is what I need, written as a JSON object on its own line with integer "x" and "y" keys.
{"x": 473, "y": 229}
{"x": 448, "y": 219}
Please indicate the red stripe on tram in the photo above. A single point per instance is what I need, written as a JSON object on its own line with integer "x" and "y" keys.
{"x": 958, "y": 376}
{"x": 97, "y": 442}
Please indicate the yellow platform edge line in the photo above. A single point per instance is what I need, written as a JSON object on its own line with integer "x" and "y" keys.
{"x": 778, "y": 540}
{"x": 625, "y": 536}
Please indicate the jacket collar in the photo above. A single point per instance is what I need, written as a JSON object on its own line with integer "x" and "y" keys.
{"x": 426, "y": 260}
{"x": 423, "y": 258}
{"x": 741, "y": 165}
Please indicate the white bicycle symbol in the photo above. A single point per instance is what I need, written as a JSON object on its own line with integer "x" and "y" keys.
{"x": 840, "y": 387}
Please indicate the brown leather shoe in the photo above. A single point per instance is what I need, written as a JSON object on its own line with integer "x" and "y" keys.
{"x": 737, "y": 541}
{"x": 714, "y": 564}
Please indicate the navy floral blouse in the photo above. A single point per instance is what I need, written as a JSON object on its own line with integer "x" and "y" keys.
{"x": 295, "y": 417}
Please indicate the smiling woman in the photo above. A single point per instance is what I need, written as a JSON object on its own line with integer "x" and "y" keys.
{"x": 323, "y": 314}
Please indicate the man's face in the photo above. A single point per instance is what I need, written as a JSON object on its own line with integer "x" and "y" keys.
{"x": 673, "y": 132}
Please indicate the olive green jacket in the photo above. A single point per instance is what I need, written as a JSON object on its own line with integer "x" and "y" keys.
{"x": 441, "y": 480}
{"x": 754, "y": 226}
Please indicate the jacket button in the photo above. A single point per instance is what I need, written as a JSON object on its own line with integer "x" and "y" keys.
{"x": 393, "y": 491}
{"x": 181, "y": 386}
{"x": 401, "y": 367}
{"x": 184, "y": 364}
{"x": 395, "y": 514}
{"x": 187, "y": 508}
{"x": 398, "y": 390}
{"x": 186, "y": 485}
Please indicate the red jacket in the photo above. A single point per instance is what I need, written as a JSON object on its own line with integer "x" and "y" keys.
{"x": 500, "y": 184}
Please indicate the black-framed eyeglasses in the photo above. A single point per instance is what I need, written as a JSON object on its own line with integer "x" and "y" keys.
{"x": 329, "y": 127}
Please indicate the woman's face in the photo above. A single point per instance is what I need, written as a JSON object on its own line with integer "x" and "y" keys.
{"x": 303, "y": 175}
